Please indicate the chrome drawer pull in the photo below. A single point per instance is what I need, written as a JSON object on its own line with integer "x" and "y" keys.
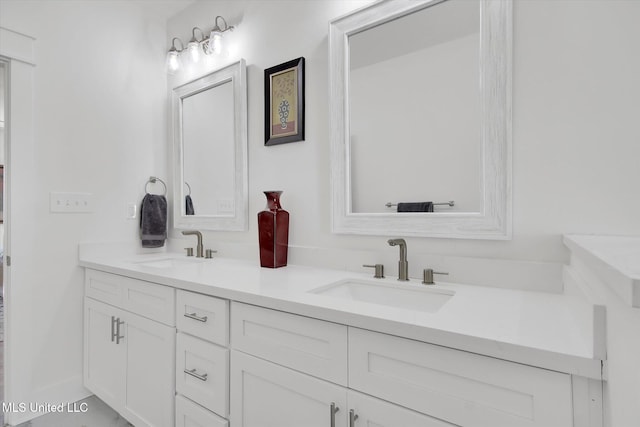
{"x": 333, "y": 409}
{"x": 352, "y": 418}
{"x": 118, "y": 336}
{"x": 193, "y": 373}
{"x": 113, "y": 329}
{"x": 193, "y": 316}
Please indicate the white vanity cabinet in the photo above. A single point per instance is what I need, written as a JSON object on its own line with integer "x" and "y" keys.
{"x": 202, "y": 360}
{"x": 264, "y": 394}
{"x": 295, "y": 374}
{"x": 295, "y": 366}
{"x": 129, "y": 357}
{"x": 162, "y": 356}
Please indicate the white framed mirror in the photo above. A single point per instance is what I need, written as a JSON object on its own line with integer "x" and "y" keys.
{"x": 421, "y": 116}
{"x": 210, "y": 177}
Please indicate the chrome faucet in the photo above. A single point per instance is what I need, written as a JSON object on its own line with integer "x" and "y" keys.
{"x": 403, "y": 264}
{"x": 200, "y": 247}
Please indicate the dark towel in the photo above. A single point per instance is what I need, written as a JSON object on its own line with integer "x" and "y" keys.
{"x": 153, "y": 221}
{"x": 189, "y": 205}
{"x": 415, "y": 207}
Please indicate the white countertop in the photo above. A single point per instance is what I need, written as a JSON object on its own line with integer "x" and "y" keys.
{"x": 616, "y": 259}
{"x": 540, "y": 329}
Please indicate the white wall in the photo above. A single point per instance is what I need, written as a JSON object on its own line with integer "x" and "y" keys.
{"x": 2, "y": 133}
{"x": 99, "y": 108}
{"x": 575, "y": 150}
{"x": 2, "y": 108}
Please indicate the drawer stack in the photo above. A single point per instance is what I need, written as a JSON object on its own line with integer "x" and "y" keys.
{"x": 202, "y": 360}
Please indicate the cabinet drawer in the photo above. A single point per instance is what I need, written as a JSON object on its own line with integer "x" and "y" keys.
{"x": 202, "y": 373}
{"x": 188, "y": 414}
{"x": 203, "y": 316}
{"x": 459, "y": 387}
{"x": 150, "y": 300}
{"x": 308, "y": 345}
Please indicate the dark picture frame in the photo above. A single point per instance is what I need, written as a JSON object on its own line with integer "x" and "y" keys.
{"x": 284, "y": 103}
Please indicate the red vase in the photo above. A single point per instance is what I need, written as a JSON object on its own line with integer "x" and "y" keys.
{"x": 273, "y": 232}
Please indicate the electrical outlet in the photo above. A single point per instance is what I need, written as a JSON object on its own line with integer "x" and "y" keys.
{"x": 70, "y": 202}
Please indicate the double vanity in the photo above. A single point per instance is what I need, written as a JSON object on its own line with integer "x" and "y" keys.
{"x": 175, "y": 340}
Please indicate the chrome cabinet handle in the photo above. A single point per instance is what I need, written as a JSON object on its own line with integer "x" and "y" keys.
{"x": 113, "y": 329}
{"x": 118, "y": 336}
{"x": 194, "y": 316}
{"x": 352, "y": 418}
{"x": 333, "y": 410}
{"x": 193, "y": 373}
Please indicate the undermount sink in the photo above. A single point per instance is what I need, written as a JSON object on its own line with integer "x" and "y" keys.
{"x": 399, "y": 295}
{"x": 169, "y": 262}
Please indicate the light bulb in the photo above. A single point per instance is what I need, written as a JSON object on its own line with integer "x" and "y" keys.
{"x": 193, "y": 47}
{"x": 215, "y": 42}
{"x": 173, "y": 61}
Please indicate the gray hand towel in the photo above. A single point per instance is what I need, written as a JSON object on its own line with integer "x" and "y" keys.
{"x": 153, "y": 221}
{"x": 189, "y": 205}
{"x": 415, "y": 207}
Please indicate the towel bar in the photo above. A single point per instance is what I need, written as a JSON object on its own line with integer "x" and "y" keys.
{"x": 152, "y": 180}
{"x": 450, "y": 203}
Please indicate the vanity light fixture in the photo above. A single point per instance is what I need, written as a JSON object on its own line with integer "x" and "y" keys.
{"x": 213, "y": 44}
{"x": 173, "y": 56}
{"x": 193, "y": 47}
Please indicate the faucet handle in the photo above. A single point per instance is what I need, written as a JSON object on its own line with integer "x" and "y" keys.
{"x": 427, "y": 276}
{"x": 378, "y": 271}
{"x": 189, "y": 251}
{"x": 209, "y": 253}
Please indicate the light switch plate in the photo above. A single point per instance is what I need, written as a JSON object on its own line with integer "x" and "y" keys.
{"x": 63, "y": 202}
{"x": 132, "y": 210}
{"x": 226, "y": 206}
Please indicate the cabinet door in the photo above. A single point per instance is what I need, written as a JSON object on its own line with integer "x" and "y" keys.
{"x": 150, "y": 361}
{"x": 267, "y": 395}
{"x": 372, "y": 412}
{"x": 104, "y": 360}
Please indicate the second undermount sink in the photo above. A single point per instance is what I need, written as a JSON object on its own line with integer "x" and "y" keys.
{"x": 169, "y": 262}
{"x": 399, "y": 295}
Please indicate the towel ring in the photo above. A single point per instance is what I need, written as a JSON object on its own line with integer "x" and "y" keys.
{"x": 152, "y": 180}
{"x": 189, "y": 187}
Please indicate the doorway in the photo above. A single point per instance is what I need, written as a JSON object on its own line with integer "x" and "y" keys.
{"x": 3, "y": 114}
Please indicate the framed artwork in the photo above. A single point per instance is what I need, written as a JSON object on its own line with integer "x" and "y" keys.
{"x": 284, "y": 103}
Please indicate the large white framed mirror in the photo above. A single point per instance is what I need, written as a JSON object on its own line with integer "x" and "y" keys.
{"x": 421, "y": 117}
{"x": 210, "y": 177}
